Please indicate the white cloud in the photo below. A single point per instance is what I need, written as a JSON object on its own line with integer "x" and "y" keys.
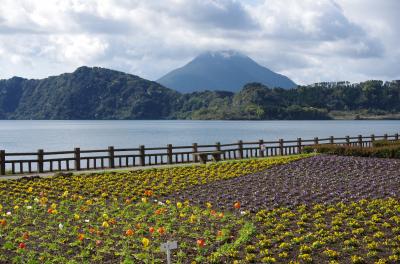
{"x": 307, "y": 40}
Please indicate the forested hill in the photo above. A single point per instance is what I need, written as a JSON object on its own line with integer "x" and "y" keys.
{"x": 97, "y": 93}
{"x": 87, "y": 93}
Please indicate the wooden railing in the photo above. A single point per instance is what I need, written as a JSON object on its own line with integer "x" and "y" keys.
{"x": 49, "y": 161}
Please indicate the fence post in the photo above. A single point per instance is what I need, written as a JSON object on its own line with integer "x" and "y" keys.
{"x": 240, "y": 150}
{"x": 281, "y": 146}
{"x": 348, "y": 140}
{"x": 316, "y": 141}
{"x": 360, "y": 141}
{"x": 299, "y": 147}
{"x": 385, "y": 136}
{"x": 77, "y": 157}
{"x": 396, "y": 136}
{"x": 111, "y": 155}
{"x": 372, "y": 137}
{"x": 40, "y": 160}
{"x": 218, "y": 146}
{"x": 169, "y": 153}
{"x": 141, "y": 157}
{"x": 262, "y": 147}
{"x": 195, "y": 158}
{"x": 2, "y": 162}
{"x": 331, "y": 140}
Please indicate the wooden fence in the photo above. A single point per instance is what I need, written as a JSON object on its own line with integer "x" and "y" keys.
{"x": 50, "y": 161}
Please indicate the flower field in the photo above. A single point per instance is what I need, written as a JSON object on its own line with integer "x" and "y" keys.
{"x": 296, "y": 209}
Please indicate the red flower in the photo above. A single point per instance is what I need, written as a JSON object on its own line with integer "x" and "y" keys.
{"x": 22, "y": 245}
{"x": 201, "y": 242}
{"x": 151, "y": 230}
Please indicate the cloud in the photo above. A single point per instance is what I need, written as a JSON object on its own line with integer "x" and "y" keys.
{"x": 307, "y": 40}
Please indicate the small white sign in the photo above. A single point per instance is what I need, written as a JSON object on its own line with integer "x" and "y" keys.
{"x": 167, "y": 247}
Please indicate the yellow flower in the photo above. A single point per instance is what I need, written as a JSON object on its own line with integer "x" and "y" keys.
{"x": 30, "y": 189}
{"x": 145, "y": 242}
{"x": 76, "y": 217}
{"x": 179, "y": 204}
{"x": 16, "y": 207}
{"x": 144, "y": 200}
{"x": 105, "y": 224}
{"x": 209, "y": 205}
{"x": 105, "y": 216}
{"x": 168, "y": 202}
{"x": 89, "y": 202}
{"x": 53, "y": 206}
{"x": 192, "y": 218}
{"x": 65, "y": 194}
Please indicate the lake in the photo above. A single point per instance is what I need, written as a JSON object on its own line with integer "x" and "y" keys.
{"x": 18, "y": 135}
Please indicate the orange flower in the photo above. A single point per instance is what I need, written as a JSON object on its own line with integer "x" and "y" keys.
{"x": 219, "y": 233}
{"x": 161, "y": 230}
{"x": 81, "y": 236}
{"x": 3, "y": 222}
{"x": 237, "y": 205}
{"x": 213, "y": 212}
{"x": 201, "y": 242}
{"x": 112, "y": 221}
{"x": 92, "y": 230}
{"x": 148, "y": 193}
{"x": 25, "y": 236}
{"x": 98, "y": 242}
{"x": 129, "y": 232}
{"x": 50, "y": 210}
{"x": 151, "y": 230}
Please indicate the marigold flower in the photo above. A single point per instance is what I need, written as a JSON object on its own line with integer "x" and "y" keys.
{"x": 81, "y": 236}
{"x": 25, "y": 235}
{"x": 129, "y": 232}
{"x": 105, "y": 224}
{"x": 236, "y": 205}
{"x": 161, "y": 230}
{"x": 3, "y": 222}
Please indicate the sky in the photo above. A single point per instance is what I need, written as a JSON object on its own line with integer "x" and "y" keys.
{"x": 309, "y": 40}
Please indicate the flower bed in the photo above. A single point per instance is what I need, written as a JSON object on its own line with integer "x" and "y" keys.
{"x": 323, "y": 209}
{"x": 319, "y": 179}
{"x": 112, "y": 217}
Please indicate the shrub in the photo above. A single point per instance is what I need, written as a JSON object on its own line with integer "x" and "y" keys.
{"x": 386, "y": 151}
{"x": 385, "y": 142}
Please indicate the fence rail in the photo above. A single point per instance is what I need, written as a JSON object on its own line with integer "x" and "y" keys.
{"x": 51, "y": 161}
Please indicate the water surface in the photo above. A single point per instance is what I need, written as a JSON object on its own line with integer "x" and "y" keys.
{"x": 18, "y": 135}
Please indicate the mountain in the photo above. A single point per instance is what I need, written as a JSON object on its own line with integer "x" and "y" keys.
{"x": 87, "y": 93}
{"x": 98, "y": 93}
{"x": 222, "y": 70}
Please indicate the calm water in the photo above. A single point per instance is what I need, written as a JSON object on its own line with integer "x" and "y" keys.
{"x": 65, "y": 135}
